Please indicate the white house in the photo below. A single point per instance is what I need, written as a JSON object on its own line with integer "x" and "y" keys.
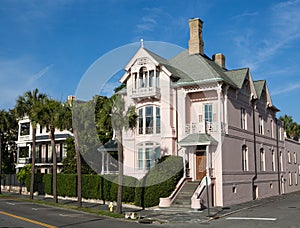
{"x": 43, "y": 160}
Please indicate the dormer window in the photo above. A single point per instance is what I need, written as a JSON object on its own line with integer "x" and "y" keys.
{"x": 145, "y": 82}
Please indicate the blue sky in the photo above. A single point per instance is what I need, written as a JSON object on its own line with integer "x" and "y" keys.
{"x": 49, "y": 45}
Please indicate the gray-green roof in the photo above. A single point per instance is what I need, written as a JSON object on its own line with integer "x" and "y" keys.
{"x": 198, "y": 69}
{"x": 111, "y": 145}
{"x": 259, "y": 85}
{"x": 237, "y": 76}
{"x": 197, "y": 139}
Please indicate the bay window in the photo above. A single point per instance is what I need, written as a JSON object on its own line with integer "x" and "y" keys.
{"x": 149, "y": 120}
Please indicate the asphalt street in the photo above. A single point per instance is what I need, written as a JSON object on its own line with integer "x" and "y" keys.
{"x": 278, "y": 211}
{"x": 15, "y": 213}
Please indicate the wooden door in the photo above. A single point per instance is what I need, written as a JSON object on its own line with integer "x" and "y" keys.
{"x": 200, "y": 165}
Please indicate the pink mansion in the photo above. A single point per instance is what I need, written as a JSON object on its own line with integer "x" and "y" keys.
{"x": 221, "y": 122}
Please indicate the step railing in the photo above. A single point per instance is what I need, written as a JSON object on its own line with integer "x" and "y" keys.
{"x": 166, "y": 202}
{"x": 199, "y": 194}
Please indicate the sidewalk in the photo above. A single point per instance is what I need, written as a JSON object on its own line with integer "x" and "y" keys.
{"x": 169, "y": 215}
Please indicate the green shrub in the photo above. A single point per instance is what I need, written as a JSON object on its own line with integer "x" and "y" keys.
{"x": 24, "y": 173}
{"x": 91, "y": 186}
{"x": 128, "y": 190}
{"x": 67, "y": 185}
{"x": 47, "y": 180}
{"x": 159, "y": 182}
{"x": 38, "y": 183}
{"x": 105, "y": 186}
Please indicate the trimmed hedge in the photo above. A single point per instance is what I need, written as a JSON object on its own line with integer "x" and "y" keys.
{"x": 128, "y": 190}
{"x": 93, "y": 186}
{"x": 47, "y": 180}
{"x": 159, "y": 182}
{"x": 67, "y": 185}
{"x": 38, "y": 183}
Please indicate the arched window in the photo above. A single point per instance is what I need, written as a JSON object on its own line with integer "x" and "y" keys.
{"x": 149, "y": 120}
{"x": 148, "y": 154}
{"x": 245, "y": 165}
{"x": 143, "y": 77}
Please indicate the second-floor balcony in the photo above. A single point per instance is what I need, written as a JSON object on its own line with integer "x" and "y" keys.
{"x": 26, "y": 160}
{"x": 146, "y": 92}
{"x": 204, "y": 127}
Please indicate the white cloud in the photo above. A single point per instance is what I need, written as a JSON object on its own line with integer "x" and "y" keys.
{"x": 286, "y": 89}
{"x": 16, "y": 77}
{"x": 245, "y": 14}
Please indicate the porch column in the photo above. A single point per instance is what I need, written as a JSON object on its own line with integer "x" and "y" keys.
{"x": 107, "y": 162}
{"x": 219, "y": 90}
{"x": 226, "y": 109}
{"x": 102, "y": 163}
{"x": 181, "y": 113}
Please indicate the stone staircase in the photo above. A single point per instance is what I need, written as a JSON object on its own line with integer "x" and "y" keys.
{"x": 183, "y": 198}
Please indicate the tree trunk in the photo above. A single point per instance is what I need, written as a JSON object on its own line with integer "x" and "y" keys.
{"x": 120, "y": 177}
{"x": 33, "y": 151}
{"x": 54, "y": 160}
{"x": 78, "y": 164}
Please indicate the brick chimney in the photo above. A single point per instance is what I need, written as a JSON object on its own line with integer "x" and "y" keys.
{"x": 196, "y": 44}
{"x": 219, "y": 59}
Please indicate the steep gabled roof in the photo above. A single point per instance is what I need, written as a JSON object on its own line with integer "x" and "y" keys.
{"x": 260, "y": 86}
{"x": 238, "y": 76}
{"x": 198, "y": 68}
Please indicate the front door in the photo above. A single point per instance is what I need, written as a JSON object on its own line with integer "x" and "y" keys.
{"x": 200, "y": 165}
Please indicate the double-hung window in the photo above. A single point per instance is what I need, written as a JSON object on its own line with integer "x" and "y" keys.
{"x": 148, "y": 154}
{"x": 243, "y": 119}
{"x": 262, "y": 160}
{"x": 245, "y": 158}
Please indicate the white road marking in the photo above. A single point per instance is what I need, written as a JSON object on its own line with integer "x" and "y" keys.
{"x": 10, "y": 203}
{"x": 249, "y": 218}
{"x": 69, "y": 215}
{"x": 39, "y": 208}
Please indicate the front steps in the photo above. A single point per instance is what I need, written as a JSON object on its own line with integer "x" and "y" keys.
{"x": 183, "y": 198}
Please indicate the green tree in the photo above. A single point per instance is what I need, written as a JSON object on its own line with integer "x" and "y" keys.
{"x": 291, "y": 128}
{"x": 103, "y": 118}
{"x": 24, "y": 173}
{"x": 27, "y": 105}
{"x": 54, "y": 115}
{"x": 8, "y": 136}
{"x": 121, "y": 119}
{"x": 69, "y": 163}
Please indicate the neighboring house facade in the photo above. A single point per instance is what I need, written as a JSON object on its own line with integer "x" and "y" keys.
{"x": 43, "y": 160}
{"x": 222, "y": 122}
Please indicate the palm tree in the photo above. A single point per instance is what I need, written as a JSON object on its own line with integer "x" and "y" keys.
{"x": 121, "y": 120}
{"x": 69, "y": 109}
{"x": 52, "y": 114}
{"x": 291, "y": 128}
{"x": 27, "y": 105}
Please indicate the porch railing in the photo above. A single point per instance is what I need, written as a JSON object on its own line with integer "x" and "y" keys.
{"x": 203, "y": 127}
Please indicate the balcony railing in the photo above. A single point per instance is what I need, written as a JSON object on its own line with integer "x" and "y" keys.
{"x": 146, "y": 92}
{"x": 207, "y": 127}
{"x": 24, "y": 160}
{"x": 24, "y": 138}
